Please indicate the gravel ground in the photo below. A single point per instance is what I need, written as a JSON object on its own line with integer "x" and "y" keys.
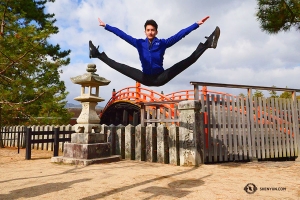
{"x": 40, "y": 179}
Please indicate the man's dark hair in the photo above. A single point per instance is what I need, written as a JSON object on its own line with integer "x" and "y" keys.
{"x": 152, "y": 23}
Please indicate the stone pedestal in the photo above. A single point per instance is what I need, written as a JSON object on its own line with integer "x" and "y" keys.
{"x": 86, "y": 154}
{"x": 88, "y": 145}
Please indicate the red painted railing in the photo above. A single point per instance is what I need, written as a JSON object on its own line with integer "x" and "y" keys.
{"x": 137, "y": 94}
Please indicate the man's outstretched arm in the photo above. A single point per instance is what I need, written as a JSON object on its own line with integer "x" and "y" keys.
{"x": 118, "y": 32}
{"x": 181, "y": 34}
{"x": 202, "y": 20}
{"x": 101, "y": 23}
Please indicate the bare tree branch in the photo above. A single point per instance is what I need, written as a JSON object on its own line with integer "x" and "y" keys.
{"x": 26, "y": 102}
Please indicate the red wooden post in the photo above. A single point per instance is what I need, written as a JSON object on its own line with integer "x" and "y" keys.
{"x": 138, "y": 91}
{"x": 204, "y": 92}
{"x": 113, "y": 95}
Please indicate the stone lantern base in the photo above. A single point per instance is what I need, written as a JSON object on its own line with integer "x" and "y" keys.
{"x": 86, "y": 154}
{"x": 86, "y": 149}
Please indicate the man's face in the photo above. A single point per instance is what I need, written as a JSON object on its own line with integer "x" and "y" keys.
{"x": 150, "y": 32}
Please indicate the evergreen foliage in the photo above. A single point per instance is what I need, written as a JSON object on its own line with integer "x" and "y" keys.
{"x": 30, "y": 66}
{"x": 278, "y": 15}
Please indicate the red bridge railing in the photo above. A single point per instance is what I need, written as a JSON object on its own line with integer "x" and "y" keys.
{"x": 137, "y": 94}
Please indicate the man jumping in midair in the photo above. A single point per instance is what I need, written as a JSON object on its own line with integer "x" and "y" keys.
{"x": 151, "y": 53}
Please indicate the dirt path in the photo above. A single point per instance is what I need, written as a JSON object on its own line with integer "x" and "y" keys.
{"x": 40, "y": 179}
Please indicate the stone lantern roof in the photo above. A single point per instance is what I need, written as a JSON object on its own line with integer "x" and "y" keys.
{"x": 90, "y": 78}
{"x": 90, "y": 83}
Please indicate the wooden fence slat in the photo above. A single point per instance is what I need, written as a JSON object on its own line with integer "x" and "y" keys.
{"x": 234, "y": 134}
{"x": 251, "y": 137}
{"x": 203, "y": 110}
{"x": 288, "y": 152}
{"x": 10, "y": 136}
{"x": 297, "y": 134}
{"x": 4, "y": 136}
{"x": 270, "y": 130}
{"x": 278, "y": 132}
{"x": 219, "y": 123}
{"x": 262, "y": 120}
{"x": 291, "y": 130}
{"x": 257, "y": 133}
{"x": 244, "y": 130}
{"x": 229, "y": 135}
{"x": 14, "y": 136}
{"x": 210, "y": 149}
{"x": 239, "y": 129}
{"x": 282, "y": 115}
{"x": 274, "y": 127}
{"x": 224, "y": 132}
{"x": 214, "y": 127}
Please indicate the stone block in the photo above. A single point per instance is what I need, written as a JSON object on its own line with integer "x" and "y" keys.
{"x": 120, "y": 141}
{"x": 162, "y": 144}
{"x": 151, "y": 143}
{"x": 86, "y": 151}
{"x": 130, "y": 142}
{"x": 138, "y": 141}
{"x": 189, "y": 133}
{"x": 174, "y": 145}
{"x": 87, "y": 138}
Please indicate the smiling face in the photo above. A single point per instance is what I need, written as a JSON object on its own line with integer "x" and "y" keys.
{"x": 150, "y": 32}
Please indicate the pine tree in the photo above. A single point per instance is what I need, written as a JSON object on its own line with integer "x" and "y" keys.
{"x": 278, "y": 15}
{"x": 30, "y": 66}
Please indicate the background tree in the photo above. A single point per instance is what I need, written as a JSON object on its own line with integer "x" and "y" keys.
{"x": 273, "y": 93}
{"x": 258, "y": 93}
{"x": 286, "y": 95}
{"x": 242, "y": 95}
{"x": 278, "y": 15}
{"x": 30, "y": 66}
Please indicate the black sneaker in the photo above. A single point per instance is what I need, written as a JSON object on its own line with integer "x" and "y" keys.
{"x": 94, "y": 53}
{"x": 212, "y": 40}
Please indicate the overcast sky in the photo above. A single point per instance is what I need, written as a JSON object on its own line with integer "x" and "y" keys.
{"x": 245, "y": 54}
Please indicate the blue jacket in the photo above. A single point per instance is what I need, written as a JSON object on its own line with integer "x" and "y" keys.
{"x": 152, "y": 56}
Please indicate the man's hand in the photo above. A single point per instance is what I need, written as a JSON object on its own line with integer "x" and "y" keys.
{"x": 202, "y": 20}
{"x": 101, "y": 23}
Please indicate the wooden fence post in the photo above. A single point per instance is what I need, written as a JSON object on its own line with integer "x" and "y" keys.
{"x": 56, "y": 142}
{"x": 28, "y": 143}
{"x": 18, "y": 141}
{"x": 251, "y": 143}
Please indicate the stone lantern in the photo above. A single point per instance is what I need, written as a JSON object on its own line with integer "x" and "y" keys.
{"x": 90, "y": 82}
{"x": 88, "y": 145}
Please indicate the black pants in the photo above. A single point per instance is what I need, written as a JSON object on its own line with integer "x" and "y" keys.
{"x": 157, "y": 79}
